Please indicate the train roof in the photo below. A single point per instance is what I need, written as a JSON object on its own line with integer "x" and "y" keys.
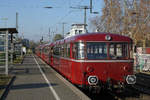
{"x": 100, "y": 37}
{"x": 92, "y": 37}
{"x": 96, "y": 37}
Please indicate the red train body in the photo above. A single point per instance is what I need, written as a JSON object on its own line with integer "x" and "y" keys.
{"x": 93, "y": 60}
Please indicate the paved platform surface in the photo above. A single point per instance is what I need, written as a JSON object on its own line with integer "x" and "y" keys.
{"x": 35, "y": 81}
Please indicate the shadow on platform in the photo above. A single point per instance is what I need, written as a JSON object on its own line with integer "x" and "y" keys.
{"x": 31, "y": 86}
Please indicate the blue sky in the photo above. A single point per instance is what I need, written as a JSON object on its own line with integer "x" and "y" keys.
{"x": 35, "y": 21}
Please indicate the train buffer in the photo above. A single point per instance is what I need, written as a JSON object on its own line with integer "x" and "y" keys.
{"x": 37, "y": 81}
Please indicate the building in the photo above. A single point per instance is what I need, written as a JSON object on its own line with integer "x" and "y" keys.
{"x": 76, "y": 29}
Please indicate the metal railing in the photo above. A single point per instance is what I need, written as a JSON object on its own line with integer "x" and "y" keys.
{"x": 142, "y": 62}
{"x": 4, "y": 51}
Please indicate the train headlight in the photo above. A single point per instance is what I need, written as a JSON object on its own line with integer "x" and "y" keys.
{"x": 131, "y": 79}
{"x": 92, "y": 80}
{"x": 108, "y": 37}
{"x": 89, "y": 69}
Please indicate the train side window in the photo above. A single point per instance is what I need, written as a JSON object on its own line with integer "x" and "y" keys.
{"x": 68, "y": 50}
{"x": 62, "y": 51}
{"x": 64, "y": 55}
{"x": 51, "y": 50}
{"x": 46, "y": 50}
{"x": 65, "y": 50}
{"x": 40, "y": 50}
{"x": 78, "y": 50}
{"x": 74, "y": 51}
{"x": 131, "y": 50}
{"x": 56, "y": 51}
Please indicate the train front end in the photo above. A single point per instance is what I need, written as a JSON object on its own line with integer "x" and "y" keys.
{"x": 106, "y": 64}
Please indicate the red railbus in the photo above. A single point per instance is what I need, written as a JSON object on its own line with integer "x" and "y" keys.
{"x": 94, "y": 60}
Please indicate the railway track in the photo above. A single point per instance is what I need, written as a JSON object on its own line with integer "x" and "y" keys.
{"x": 130, "y": 94}
{"x": 139, "y": 91}
{"x": 142, "y": 97}
{"x": 106, "y": 95}
{"x": 143, "y": 83}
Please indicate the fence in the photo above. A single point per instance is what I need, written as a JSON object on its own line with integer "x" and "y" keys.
{"x": 142, "y": 62}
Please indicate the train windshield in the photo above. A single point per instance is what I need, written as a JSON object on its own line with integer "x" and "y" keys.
{"x": 100, "y": 50}
{"x": 118, "y": 50}
{"x": 96, "y": 50}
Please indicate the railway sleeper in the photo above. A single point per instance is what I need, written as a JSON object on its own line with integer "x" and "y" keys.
{"x": 95, "y": 89}
{"x": 143, "y": 89}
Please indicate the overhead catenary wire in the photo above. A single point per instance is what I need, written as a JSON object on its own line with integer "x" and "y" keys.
{"x": 70, "y": 11}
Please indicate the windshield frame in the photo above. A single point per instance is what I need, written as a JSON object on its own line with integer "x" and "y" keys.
{"x": 84, "y": 50}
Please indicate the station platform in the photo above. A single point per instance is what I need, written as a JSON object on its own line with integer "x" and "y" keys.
{"x": 148, "y": 73}
{"x": 35, "y": 80}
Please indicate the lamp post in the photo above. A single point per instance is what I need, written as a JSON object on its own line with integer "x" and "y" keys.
{"x": 49, "y": 33}
{"x": 85, "y": 14}
{"x": 63, "y": 29}
{"x": 91, "y": 7}
{"x": 85, "y": 9}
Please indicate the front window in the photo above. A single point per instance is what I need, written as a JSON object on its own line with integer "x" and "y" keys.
{"x": 96, "y": 50}
{"x": 118, "y": 50}
{"x": 100, "y": 50}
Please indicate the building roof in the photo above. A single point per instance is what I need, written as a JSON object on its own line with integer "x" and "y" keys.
{"x": 10, "y": 30}
{"x": 78, "y": 24}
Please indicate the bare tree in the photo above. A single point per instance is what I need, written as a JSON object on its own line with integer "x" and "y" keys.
{"x": 58, "y": 37}
{"x": 127, "y": 17}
